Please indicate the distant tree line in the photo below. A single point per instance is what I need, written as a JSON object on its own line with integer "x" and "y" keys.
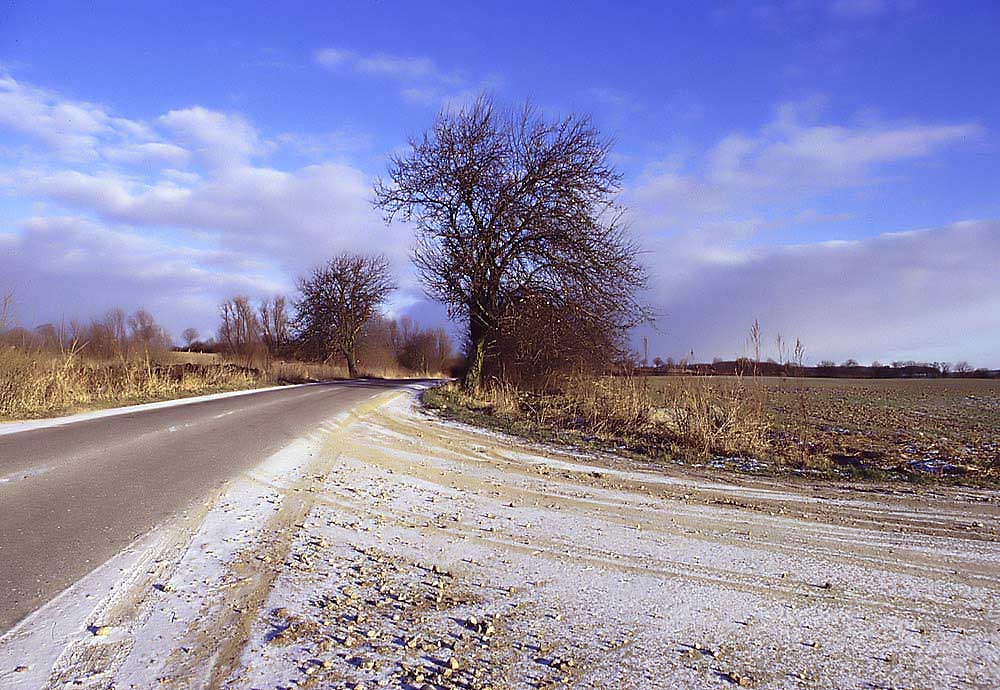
{"x": 792, "y": 362}
{"x": 746, "y": 366}
{"x": 117, "y": 335}
{"x": 336, "y": 317}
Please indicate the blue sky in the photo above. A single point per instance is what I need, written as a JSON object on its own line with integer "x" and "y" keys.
{"x": 827, "y": 167}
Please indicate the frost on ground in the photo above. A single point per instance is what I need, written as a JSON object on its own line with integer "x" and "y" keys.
{"x": 392, "y": 549}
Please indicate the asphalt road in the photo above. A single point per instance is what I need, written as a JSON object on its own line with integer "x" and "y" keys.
{"x": 72, "y": 496}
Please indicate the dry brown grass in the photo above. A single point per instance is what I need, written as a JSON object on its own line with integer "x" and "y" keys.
{"x": 34, "y": 384}
{"x": 609, "y": 406}
{"x": 40, "y": 383}
{"x": 729, "y": 422}
{"x": 305, "y": 372}
{"x": 693, "y": 420}
{"x": 182, "y": 357}
{"x": 503, "y": 399}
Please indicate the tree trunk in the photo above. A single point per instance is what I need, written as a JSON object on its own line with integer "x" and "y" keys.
{"x": 352, "y": 363}
{"x": 474, "y": 366}
{"x": 477, "y": 353}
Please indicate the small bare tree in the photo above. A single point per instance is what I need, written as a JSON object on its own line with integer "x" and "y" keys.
{"x": 117, "y": 324}
{"x": 338, "y": 300}
{"x": 799, "y": 357}
{"x": 239, "y": 331}
{"x": 274, "y": 323}
{"x": 507, "y": 204}
{"x": 190, "y": 335}
{"x": 146, "y": 334}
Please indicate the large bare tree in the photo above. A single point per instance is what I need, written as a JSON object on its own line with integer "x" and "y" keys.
{"x": 337, "y": 301}
{"x": 507, "y": 204}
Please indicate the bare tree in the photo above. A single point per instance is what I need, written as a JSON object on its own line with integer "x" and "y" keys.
{"x": 507, "y": 204}
{"x": 146, "y": 333}
{"x": 117, "y": 324}
{"x": 338, "y": 300}
{"x": 239, "y": 331}
{"x": 799, "y": 357}
{"x": 274, "y": 323}
{"x": 190, "y": 335}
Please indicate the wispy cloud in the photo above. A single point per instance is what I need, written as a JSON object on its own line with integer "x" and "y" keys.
{"x": 71, "y": 128}
{"x": 220, "y": 140}
{"x": 380, "y": 64}
{"x": 789, "y": 157}
{"x": 420, "y": 80}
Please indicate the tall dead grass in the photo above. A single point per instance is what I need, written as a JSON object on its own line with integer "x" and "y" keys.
{"x": 712, "y": 420}
{"x": 609, "y": 405}
{"x": 305, "y": 372}
{"x": 38, "y": 383}
{"x": 691, "y": 416}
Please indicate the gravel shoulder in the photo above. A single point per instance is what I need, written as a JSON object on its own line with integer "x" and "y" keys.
{"x": 390, "y": 548}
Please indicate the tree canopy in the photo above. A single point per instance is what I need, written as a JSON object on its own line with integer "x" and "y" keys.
{"x": 338, "y": 299}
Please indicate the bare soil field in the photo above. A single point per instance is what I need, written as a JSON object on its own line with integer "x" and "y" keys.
{"x": 940, "y": 427}
{"x": 394, "y": 549}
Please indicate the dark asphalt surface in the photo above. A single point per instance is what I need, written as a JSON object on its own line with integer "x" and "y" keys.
{"x": 73, "y": 496}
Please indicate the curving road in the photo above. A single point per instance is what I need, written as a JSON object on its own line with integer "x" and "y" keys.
{"x": 73, "y": 495}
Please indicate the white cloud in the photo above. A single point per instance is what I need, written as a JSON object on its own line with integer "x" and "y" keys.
{"x": 154, "y": 154}
{"x": 926, "y": 295}
{"x": 788, "y": 157}
{"x": 297, "y": 214}
{"x": 66, "y": 267}
{"x": 182, "y": 208}
{"x": 220, "y": 140}
{"x": 420, "y": 80}
{"x": 701, "y": 221}
{"x": 394, "y": 66}
{"x": 71, "y": 128}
